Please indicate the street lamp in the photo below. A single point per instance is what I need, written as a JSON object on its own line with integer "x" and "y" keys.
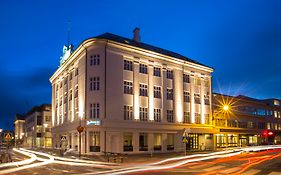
{"x": 225, "y": 107}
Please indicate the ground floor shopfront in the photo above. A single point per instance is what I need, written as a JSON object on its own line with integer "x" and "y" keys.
{"x": 138, "y": 138}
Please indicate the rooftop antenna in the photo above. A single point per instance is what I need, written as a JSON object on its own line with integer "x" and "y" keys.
{"x": 68, "y": 31}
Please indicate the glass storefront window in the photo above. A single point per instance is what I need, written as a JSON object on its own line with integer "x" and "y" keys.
{"x": 221, "y": 140}
{"x": 128, "y": 142}
{"x": 94, "y": 141}
{"x": 170, "y": 140}
{"x": 232, "y": 140}
{"x": 143, "y": 146}
{"x": 157, "y": 142}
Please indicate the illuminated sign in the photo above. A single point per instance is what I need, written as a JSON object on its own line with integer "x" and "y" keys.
{"x": 66, "y": 52}
{"x": 94, "y": 122}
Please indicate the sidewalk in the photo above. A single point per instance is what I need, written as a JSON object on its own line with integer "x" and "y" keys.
{"x": 128, "y": 159}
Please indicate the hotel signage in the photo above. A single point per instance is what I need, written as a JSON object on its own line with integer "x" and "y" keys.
{"x": 94, "y": 122}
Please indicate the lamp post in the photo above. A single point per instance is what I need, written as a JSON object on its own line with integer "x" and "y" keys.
{"x": 80, "y": 129}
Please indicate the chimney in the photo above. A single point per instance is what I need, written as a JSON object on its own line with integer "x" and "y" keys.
{"x": 136, "y": 34}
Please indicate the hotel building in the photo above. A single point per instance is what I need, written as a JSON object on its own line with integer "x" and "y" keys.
{"x": 245, "y": 121}
{"x": 130, "y": 97}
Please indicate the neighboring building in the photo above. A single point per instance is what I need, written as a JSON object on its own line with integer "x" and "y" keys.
{"x": 38, "y": 123}
{"x": 130, "y": 97}
{"x": 19, "y": 125}
{"x": 242, "y": 121}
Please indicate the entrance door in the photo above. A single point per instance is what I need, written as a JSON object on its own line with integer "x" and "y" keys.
{"x": 243, "y": 141}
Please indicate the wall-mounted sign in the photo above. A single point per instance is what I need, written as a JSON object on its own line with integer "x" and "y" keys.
{"x": 94, "y": 122}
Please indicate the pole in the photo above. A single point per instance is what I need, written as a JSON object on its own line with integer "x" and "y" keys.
{"x": 79, "y": 145}
{"x": 185, "y": 149}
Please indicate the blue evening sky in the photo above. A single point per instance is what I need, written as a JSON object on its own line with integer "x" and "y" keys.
{"x": 240, "y": 39}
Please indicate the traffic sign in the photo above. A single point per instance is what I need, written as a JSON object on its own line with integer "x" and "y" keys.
{"x": 8, "y": 136}
{"x": 185, "y": 136}
{"x": 63, "y": 138}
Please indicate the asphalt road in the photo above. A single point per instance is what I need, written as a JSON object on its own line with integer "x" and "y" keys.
{"x": 238, "y": 162}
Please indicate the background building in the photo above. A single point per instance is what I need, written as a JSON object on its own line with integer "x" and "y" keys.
{"x": 19, "y": 125}
{"x": 242, "y": 121}
{"x": 130, "y": 97}
{"x": 38, "y": 123}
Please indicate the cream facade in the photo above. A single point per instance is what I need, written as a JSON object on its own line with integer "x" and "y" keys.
{"x": 131, "y": 98}
{"x": 38, "y": 124}
{"x": 19, "y": 125}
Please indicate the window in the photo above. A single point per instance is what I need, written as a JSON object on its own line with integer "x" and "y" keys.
{"x": 70, "y": 76}
{"x": 65, "y": 81}
{"x": 157, "y": 92}
{"x": 143, "y": 142}
{"x": 128, "y": 112}
{"x": 186, "y": 96}
{"x": 76, "y": 71}
{"x": 170, "y": 94}
{"x": 197, "y": 118}
{"x": 94, "y": 110}
{"x": 76, "y": 92}
{"x": 94, "y": 83}
{"x": 157, "y": 71}
{"x": 207, "y": 83}
{"x": 157, "y": 142}
{"x": 197, "y": 81}
{"x": 47, "y": 118}
{"x": 70, "y": 95}
{"x": 143, "y": 90}
{"x": 169, "y": 74}
{"x": 186, "y": 117}
{"x": 186, "y": 78}
{"x": 128, "y": 65}
{"x": 157, "y": 115}
{"x": 207, "y": 119}
{"x": 206, "y": 100}
{"x": 128, "y": 87}
{"x": 170, "y": 116}
{"x": 65, "y": 98}
{"x": 143, "y": 114}
{"x": 128, "y": 142}
{"x": 170, "y": 142}
{"x": 95, "y": 60}
{"x": 94, "y": 141}
{"x": 143, "y": 68}
{"x": 197, "y": 98}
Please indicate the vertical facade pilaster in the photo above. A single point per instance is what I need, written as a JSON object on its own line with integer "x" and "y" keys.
{"x": 178, "y": 95}
{"x": 150, "y": 93}
{"x": 164, "y": 96}
{"x": 136, "y": 87}
{"x": 192, "y": 105}
{"x": 202, "y": 108}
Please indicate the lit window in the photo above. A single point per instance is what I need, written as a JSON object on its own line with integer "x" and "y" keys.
{"x": 186, "y": 117}
{"x": 206, "y": 99}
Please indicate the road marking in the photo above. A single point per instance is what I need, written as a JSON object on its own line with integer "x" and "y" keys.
{"x": 214, "y": 168}
{"x": 231, "y": 170}
{"x": 251, "y": 172}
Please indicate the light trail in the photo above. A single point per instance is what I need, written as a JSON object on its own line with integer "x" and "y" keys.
{"x": 19, "y": 163}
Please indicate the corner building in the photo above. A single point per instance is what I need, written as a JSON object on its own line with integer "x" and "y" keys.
{"x": 131, "y": 97}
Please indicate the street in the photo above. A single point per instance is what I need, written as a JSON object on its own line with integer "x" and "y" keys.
{"x": 253, "y": 160}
